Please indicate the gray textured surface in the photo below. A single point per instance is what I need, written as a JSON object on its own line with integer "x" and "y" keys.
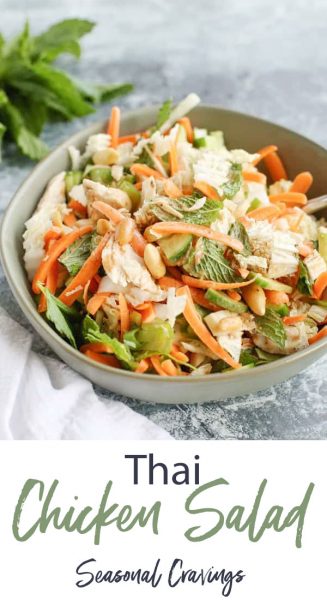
{"x": 267, "y": 59}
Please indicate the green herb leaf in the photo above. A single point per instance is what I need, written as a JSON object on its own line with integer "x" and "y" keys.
{"x": 305, "y": 283}
{"x": 272, "y": 326}
{"x": 28, "y": 143}
{"x": 61, "y": 37}
{"x": 164, "y": 113}
{"x": 205, "y": 215}
{"x": 231, "y": 188}
{"x": 265, "y": 357}
{"x": 97, "y": 93}
{"x": 91, "y": 333}
{"x": 75, "y": 256}
{"x": 239, "y": 232}
{"x": 57, "y": 313}
{"x": 2, "y": 132}
{"x": 207, "y": 261}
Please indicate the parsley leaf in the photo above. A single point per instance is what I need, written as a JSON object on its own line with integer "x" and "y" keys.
{"x": 272, "y": 326}
{"x": 75, "y": 256}
{"x": 305, "y": 284}
{"x": 91, "y": 333}
{"x": 239, "y": 232}
{"x": 231, "y": 188}
{"x": 57, "y": 313}
{"x": 207, "y": 261}
{"x": 205, "y": 215}
{"x": 164, "y": 113}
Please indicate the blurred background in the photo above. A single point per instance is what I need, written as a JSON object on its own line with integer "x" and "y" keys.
{"x": 265, "y": 58}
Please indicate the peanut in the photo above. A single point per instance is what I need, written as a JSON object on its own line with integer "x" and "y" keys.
{"x": 103, "y": 226}
{"x": 125, "y": 231}
{"x": 229, "y": 324}
{"x": 255, "y": 298}
{"x": 107, "y": 156}
{"x": 154, "y": 262}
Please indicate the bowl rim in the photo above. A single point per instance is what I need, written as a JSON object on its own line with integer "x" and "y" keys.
{"x": 37, "y": 320}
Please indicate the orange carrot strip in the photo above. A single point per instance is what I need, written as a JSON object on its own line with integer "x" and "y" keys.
{"x": 198, "y": 297}
{"x": 124, "y": 315}
{"x": 142, "y": 170}
{"x": 51, "y": 283}
{"x": 188, "y": 190}
{"x": 264, "y": 213}
{"x": 199, "y": 328}
{"x": 50, "y": 235}
{"x": 174, "y": 272}
{"x": 171, "y": 190}
{"x": 70, "y": 219}
{"x": 96, "y": 302}
{"x": 234, "y": 295}
{"x": 88, "y": 270}
{"x": 186, "y": 123}
{"x": 143, "y": 306}
{"x": 143, "y": 366}
{"x": 254, "y": 176}
{"x": 275, "y": 166}
{"x": 56, "y": 250}
{"x": 263, "y": 152}
{"x": 134, "y": 137}
{"x": 320, "y": 285}
{"x": 277, "y": 297}
{"x": 114, "y": 125}
{"x": 318, "y": 336}
{"x": 110, "y": 361}
{"x": 167, "y": 282}
{"x": 290, "y": 198}
{"x": 157, "y": 366}
{"x": 292, "y": 320}
{"x": 173, "y": 159}
{"x": 138, "y": 242}
{"x": 302, "y": 183}
{"x": 214, "y": 285}
{"x": 97, "y": 347}
{"x": 167, "y": 227}
{"x": 178, "y": 354}
{"x": 207, "y": 190}
{"x": 169, "y": 367}
{"x": 77, "y": 207}
{"x": 148, "y": 314}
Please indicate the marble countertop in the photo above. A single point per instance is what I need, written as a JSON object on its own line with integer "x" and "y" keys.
{"x": 267, "y": 59}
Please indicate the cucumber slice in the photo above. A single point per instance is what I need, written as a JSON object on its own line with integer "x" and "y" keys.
{"x": 72, "y": 178}
{"x": 100, "y": 175}
{"x": 281, "y": 309}
{"x": 175, "y": 246}
{"x": 270, "y": 284}
{"x": 221, "y": 299}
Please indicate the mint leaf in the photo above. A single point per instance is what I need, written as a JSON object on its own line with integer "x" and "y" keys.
{"x": 305, "y": 283}
{"x": 91, "y": 333}
{"x": 272, "y": 326}
{"x": 164, "y": 113}
{"x": 75, "y": 256}
{"x": 61, "y": 37}
{"x": 28, "y": 143}
{"x": 231, "y": 188}
{"x": 97, "y": 93}
{"x": 239, "y": 232}
{"x": 57, "y": 313}
{"x": 207, "y": 261}
{"x": 205, "y": 215}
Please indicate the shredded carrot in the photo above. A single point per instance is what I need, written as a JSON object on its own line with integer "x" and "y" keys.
{"x": 207, "y": 190}
{"x": 143, "y": 366}
{"x": 96, "y": 302}
{"x": 134, "y": 137}
{"x": 290, "y": 198}
{"x": 264, "y": 213}
{"x": 110, "y": 361}
{"x": 254, "y": 176}
{"x": 174, "y": 272}
{"x": 274, "y": 297}
{"x": 138, "y": 185}
{"x": 97, "y": 347}
{"x": 171, "y": 190}
{"x": 292, "y": 320}
{"x": 124, "y": 315}
{"x": 70, "y": 219}
{"x": 148, "y": 314}
{"x": 305, "y": 249}
{"x": 173, "y": 160}
{"x": 143, "y": 306}
{"x": 141, "y": 170}
{"x": 86, "y": 292}
{"x": 318, "y": 336}
{"x": 169, "y": 367}
{"x": 186, "y": 123}
{"x": 88, "y": 270}
{"x": 234, "y": 295}
{"x": 50, "y": 235}
{"x": 56, "y": 250}
{"x": 302, "y": 183}
{"x": 178, "y": 354}
{"x": 138, "y": 242}
{"x": 214, "y": 285}
{"x": 192, "y": 317}
{"x": 157, "y": 366}
{"x": 263, "y": 152}
{"x": 200, "y": 299}
{"x": 275, "y": 166}
{"x": 77, "y": 207}
{"x": 51, "y": 283}
{"x": 167, "y": 227}
{"x": 320, "y": 285}
{"x": 188, "y": 190}
{"x": 114, "y": 125}
{"x": 168, "y": 282}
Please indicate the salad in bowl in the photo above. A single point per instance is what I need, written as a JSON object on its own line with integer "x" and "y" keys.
{"x": 165, "y": 252}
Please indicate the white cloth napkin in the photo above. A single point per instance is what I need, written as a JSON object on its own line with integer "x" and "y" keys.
{"x": 43, "y": 399}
